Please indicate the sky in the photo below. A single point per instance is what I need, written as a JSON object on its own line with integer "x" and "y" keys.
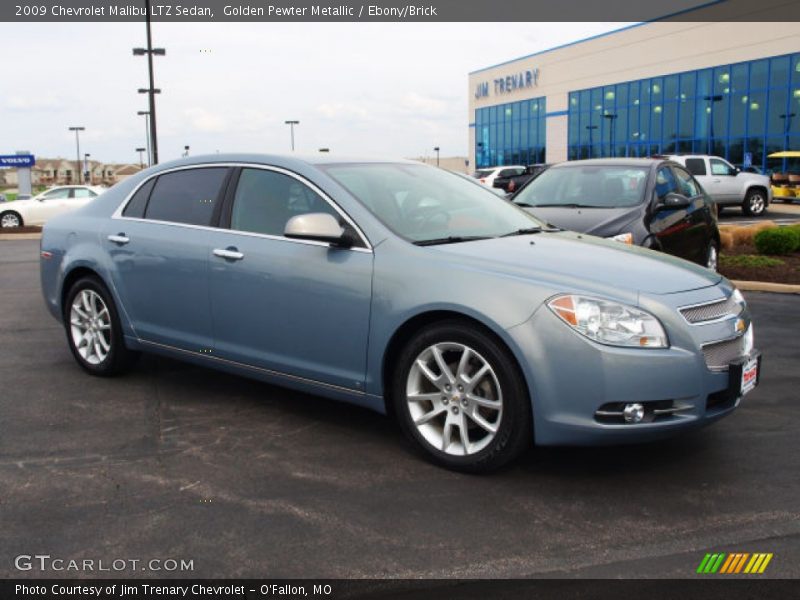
{"x": 360, "y": 89}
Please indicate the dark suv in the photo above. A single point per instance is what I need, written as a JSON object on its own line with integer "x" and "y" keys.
{"x": 649, "y": 202}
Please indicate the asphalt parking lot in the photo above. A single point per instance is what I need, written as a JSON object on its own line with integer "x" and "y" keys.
{"x": 246, "y": 479}
{"x": 779, "y": 211}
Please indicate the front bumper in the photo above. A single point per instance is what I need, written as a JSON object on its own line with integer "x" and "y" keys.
{"x": 572, "y": 378}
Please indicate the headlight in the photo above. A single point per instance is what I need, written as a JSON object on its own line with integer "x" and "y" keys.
{"x": 625, "y": 238}
{"x": 738, "y": 298}
{"x": 609, "y": 322}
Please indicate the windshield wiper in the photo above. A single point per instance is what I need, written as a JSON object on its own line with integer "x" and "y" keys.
{"x": 568, "y": 205}
{"x": 529, "y": 230}
{"x": 452, "y": 239}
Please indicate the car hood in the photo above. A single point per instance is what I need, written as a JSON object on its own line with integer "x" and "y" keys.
{"x": 602, "y": 222}
{"x": 570, "y": 260}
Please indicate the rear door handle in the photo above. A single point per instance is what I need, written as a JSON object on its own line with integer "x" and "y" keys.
{"x": 120, "y": 239}
{"x": 229, "y": 253}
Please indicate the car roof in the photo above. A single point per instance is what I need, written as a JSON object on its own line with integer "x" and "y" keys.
{"x": 610, "y": 162}
{"x": 288, "y": 161}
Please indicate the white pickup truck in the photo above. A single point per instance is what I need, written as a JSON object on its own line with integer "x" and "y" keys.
{"x": 728, "y": 185}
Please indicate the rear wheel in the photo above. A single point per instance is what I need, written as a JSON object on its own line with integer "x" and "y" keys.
{"x": 755, "y": 203}
{"x": 93, "y": 329}
{"x": 460, "y": 398}
{"x": 10, "y": 219}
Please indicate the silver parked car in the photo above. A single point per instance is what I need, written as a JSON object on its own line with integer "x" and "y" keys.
{"x": 728, "y": 185}
{"x": 405, "y": 289}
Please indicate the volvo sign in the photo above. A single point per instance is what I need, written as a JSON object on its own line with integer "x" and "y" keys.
{"x": 17, "y": 160}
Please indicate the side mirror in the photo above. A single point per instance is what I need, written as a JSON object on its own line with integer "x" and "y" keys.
{"x": 317, "y": 227}
{"x": 673, "y": 201}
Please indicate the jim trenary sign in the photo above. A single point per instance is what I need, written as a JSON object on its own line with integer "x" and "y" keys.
{"x": 510, "y": 83}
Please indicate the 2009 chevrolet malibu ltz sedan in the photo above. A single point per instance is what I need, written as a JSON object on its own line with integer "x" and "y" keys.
{"x": 405, "y": 289}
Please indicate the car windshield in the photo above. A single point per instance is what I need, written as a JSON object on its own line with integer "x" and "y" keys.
{"x": 482, "y": 173}
{"x": 423, "y": 204}
{"x": 586, "y": 186}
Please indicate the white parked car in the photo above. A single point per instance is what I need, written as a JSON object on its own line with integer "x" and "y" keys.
{"x": 55, "y": 201}
{"x": 487, "y": 176}
{"x": 728, "y": 185}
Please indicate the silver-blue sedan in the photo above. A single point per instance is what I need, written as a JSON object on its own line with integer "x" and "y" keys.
{"x": 405, "y": 289}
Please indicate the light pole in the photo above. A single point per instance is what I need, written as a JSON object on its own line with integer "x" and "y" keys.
{"x": 291, "y": 125}
{"x": 185, "y": 151}
{"x": 150, "y": 51}
{"x": 77, "y": 131}
{"x": 610, "y": 118}
{"x": 591, "y": 128}
{"x": 436, "y": 149}
{"x": 141, "y": 160}
{"x": 146, "y": 114}
{"x": 86, "y": 178}
{"x": 711, "y": 100}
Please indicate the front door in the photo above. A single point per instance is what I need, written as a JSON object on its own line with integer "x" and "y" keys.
{"x": 670, "y": 226}
{"x": 295, "y": 307}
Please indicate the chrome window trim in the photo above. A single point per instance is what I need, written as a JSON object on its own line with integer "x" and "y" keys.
{"x": 117, "y": 214}
{"x": 254, "y": 368}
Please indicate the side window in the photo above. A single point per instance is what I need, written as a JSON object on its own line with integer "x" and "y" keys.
{"x": 137, "y": 204}
{"x": 83, "y": 193}
{"x": 696, "y": 166}
{"x": 266, "y": 200}
{"x": 686, "y": 183}
{"x": 665, "y": 183}
{"x": 59, "y": 194}
{"x": 720, "y": 167}
{"x": 188, "y": 196}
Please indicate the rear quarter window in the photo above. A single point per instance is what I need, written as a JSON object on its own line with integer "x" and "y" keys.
{"x": 138, "y": 203}
{"x": 696, "y": 166}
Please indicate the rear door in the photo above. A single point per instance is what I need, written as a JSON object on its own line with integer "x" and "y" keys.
{"x": 699, "y": 168}
{"x": 159, "y": 246}
{"x": 295, "y": 307}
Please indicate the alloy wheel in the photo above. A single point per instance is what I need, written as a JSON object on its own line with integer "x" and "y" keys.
{"x": 712, "y": 262}
{"x": 454, "y": 398}
{"x": 90, "y": 326}
{"x": 756, "y": 204}
{"x": 9, "y": 220}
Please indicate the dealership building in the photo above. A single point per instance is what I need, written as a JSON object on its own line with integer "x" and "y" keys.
{"x": 730, "y": 89}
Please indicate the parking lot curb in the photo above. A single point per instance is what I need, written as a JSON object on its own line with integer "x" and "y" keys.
{"x": 764, "y": 286}
{"x": 20, "y": 236}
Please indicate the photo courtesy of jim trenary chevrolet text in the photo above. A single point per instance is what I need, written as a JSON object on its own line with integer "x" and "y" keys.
{"x": 399, "y": 299}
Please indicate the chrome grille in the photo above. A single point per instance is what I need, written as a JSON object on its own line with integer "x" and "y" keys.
{"x": 720, "y": 354}
{"x": 713, "y": 310}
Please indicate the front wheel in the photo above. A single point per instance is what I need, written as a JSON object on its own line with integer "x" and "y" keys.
{"x": 93, "y": 329}
{"x": 712, "y": 256}
{"x": 10, "y": 219}
{"x": 755, "y": 203}
{"x": 460, "y": 398}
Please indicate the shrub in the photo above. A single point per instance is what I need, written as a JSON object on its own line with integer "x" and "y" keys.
{"x": 781, "y": 240}
{"x": 726, "y": 239}
{"x": 744, "y": 234}
{"x": 750, "y": 260}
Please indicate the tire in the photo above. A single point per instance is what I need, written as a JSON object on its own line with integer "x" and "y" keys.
{"x": 712, "y": 256}
{"x": 9, "y": 219}
{"x": 755, "y": 203}
{"x": 494, "y": 412}
{"x": 91, "y": 316}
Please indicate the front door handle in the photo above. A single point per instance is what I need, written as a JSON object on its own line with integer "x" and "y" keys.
{"x": 120, "y": 239}
{"x": 229, "y": 253}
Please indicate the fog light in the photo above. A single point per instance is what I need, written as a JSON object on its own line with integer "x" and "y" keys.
{"x": 633, "y": 413}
